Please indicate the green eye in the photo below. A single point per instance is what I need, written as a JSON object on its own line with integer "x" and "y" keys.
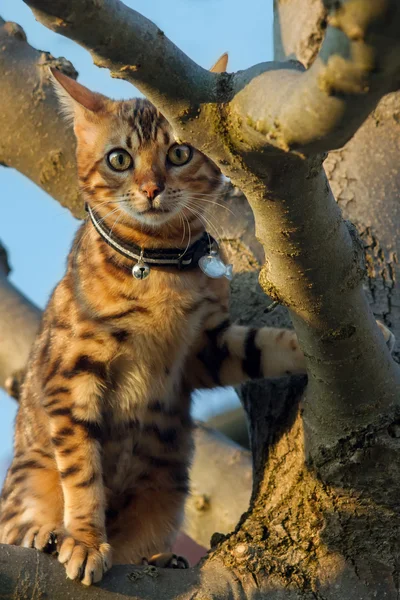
{"x": 119, "y": 159}
{"x": 179, "y": 154}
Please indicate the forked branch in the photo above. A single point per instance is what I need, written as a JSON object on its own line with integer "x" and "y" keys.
{"x": 358, "y": 63}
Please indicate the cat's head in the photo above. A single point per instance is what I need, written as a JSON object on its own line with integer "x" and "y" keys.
{"x": 129, "y": 159}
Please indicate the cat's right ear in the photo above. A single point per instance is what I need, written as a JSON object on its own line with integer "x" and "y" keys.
{"x": 221, "y": 64}
{"x": 75, "y": 99}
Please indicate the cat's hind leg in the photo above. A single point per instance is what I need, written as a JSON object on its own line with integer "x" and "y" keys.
{"x": 231, "y": 354}
{"x": 167, "y": 560}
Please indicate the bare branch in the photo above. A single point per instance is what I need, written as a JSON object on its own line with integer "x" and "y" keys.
{"x": 174, "y": 82}
{"x": 221, "y": 478}
{"x": 26, "y": 573}
{"x": 34, "y": 138}
{"x": 322, "y": 108}
{"x": 19, "y": 319}
{"x": 358, "y": 63}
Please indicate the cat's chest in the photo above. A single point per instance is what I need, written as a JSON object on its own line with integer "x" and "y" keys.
{"x": 148, "y": 366}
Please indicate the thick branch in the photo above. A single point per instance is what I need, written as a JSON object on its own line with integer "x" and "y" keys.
{"x": 31, "y": 574}
{"x": 358, "y": 63}
{"x": 34, "y": 139}
{"x": 119, "y": 39}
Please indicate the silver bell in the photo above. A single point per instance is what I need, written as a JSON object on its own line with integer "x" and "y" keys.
{"x": 140, "y": 270}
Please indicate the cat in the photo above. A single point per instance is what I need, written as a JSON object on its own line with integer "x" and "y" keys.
{"x": 103, "y": 436}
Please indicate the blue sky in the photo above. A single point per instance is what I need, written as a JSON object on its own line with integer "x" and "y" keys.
{"x": 35, "y": 229}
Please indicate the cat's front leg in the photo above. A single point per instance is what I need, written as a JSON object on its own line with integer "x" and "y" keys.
{"x": 72, "y": 404}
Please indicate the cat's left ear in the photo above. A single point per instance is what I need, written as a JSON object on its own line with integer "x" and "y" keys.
{"x": 76, "y": 100}
{"x": 221, "y": 64}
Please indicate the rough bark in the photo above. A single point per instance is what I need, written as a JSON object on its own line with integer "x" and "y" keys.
{"x": 323, "y": 520}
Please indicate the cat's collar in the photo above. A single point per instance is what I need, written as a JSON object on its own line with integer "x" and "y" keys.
{"x": 180, "y": 258}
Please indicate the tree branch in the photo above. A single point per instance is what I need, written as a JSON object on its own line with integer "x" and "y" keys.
{"x": 29, "y": 110}
{"x": 19, "y": 319}
{"x": 29, "y": 574}
{"x": 169, "y": 77}
{"x": 358, "y": 63}
{"x": 221, "y": 478}
{"x": 4, "y": 264}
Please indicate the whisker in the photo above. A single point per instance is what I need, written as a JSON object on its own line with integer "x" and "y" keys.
{"x": 190, "y": 234}
{"x": 201, "y": 200}
{"x": 91, "y": 230}
{"x": 181, "y": 220}
{"x": 116, "y": 221}
{"x": 206, "y": 222}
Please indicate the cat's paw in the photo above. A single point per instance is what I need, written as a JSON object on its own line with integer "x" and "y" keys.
{"x": 167, "y": 560}
{"x": 388, "y": 335}
{"x": 84, "y": 562}
{"x": 43, "y": 538}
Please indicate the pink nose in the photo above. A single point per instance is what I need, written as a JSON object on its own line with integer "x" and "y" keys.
{"x": 152, "y": 189}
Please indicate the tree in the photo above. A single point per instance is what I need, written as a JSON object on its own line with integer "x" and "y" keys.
{"x": 324, "y": 520}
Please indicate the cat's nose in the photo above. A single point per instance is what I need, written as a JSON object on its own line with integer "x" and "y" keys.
{"x": 152, "y": 189}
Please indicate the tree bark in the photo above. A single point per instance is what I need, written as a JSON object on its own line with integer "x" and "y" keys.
{"x": 30, "y": 574}
{"x": 364, "y": 175}
{"x": 323, "y": 520}
{"x": 29, "y": 111}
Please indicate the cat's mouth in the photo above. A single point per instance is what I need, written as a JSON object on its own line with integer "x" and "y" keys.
{"x": 154, "y": 211}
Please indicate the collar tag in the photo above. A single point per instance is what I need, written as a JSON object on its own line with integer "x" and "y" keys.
{"x": 213, "y": 266}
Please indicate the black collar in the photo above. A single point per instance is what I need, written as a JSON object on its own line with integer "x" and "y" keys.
{"x": 157, "y": 257}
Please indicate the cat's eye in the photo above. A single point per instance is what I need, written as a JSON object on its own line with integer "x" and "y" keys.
{"x": 179, "y": 154}
{"x": 119, "y": 159}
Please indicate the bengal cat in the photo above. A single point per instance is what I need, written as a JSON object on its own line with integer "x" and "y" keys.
{"x": 103, "y": 435}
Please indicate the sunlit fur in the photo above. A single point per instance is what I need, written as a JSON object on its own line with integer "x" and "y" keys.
{"x": 103, "y": 437}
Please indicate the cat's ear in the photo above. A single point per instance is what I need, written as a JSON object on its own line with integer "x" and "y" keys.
{"x": 75, "y": 99}
{"x": 221, "y": 64}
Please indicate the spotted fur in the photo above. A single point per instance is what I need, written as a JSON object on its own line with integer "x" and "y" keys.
{"x": 103, "y": 435}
